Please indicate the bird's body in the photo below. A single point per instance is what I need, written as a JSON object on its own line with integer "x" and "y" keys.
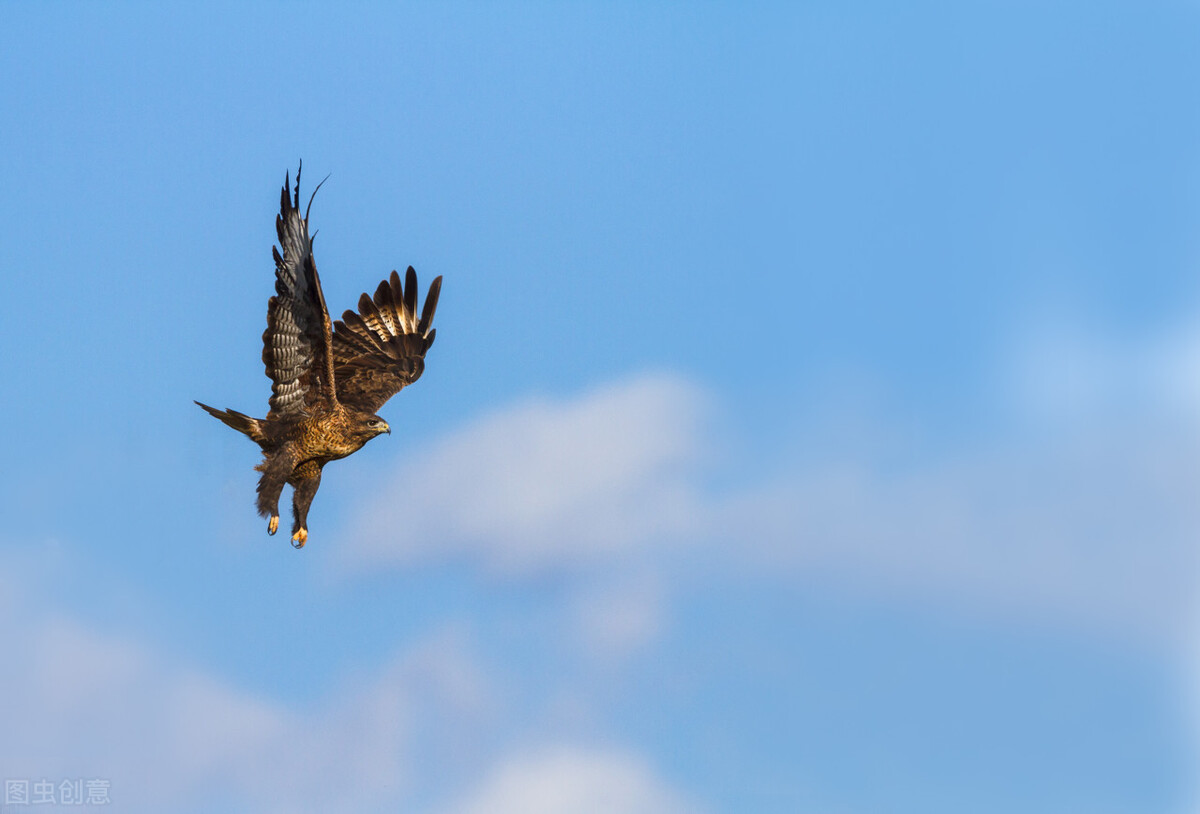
{"x": 327, "y": 378}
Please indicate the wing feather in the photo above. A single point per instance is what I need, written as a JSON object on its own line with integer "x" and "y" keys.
{"x": 380, "y": 349}
{"x": 297, "y": 350}
{"x": 386, "y": 306}
{"x": 409, "y": 314}
{"x": 427, "y": 312}
{"x": 374, "y": 318}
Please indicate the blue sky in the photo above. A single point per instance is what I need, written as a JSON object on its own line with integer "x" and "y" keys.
{"x": 811, "y": 426}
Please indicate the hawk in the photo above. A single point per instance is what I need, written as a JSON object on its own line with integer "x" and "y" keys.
{"x": 327, "y": 380}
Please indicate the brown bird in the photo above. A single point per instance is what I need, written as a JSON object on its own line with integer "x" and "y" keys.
{"x": 327, "y": 381}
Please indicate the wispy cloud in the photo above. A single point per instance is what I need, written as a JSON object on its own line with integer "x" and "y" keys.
{"x": 1048, "y": 517}
{"x": 1077, "y": 521}
{"x": 1077, "y": 504}
{"x": 615, "y": 619}
{"x": 575, "y": 780}
{"x": 545, "y": 485}
{"x": 1091, "y": 530}
{"x": 1065, "y": 368}
{"x": 85, "y": 703}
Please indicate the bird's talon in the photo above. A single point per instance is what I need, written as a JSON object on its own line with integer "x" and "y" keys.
{"x": 300, "y": 538}
{"x": 273, "y": 524}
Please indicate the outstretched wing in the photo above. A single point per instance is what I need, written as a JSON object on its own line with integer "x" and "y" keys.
{"x": 380, "y": 349}
{"x": 296, "y": 343}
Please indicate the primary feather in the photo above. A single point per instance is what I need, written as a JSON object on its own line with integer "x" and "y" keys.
{"x": 296, "y": 342}
{"x": 380, "y": 349}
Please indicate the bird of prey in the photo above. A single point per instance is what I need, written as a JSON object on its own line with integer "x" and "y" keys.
{"x": 327, "y": 380}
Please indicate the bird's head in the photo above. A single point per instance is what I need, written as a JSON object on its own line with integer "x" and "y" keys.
{"x": 368, "y": 426}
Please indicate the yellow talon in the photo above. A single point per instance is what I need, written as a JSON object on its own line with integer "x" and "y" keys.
{"x": 273, "y": 524}
{"x": 300, "y": 538}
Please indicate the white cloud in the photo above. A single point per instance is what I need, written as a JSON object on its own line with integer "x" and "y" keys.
{"x": 1067, "y": 369}
{"x": 613, "y": 620}
{"x": 1092, "y": 520}
{"x": 545, "y": 485}
{"x": 568, "y": 780}
{"x": 79, "y": 702}
{"x": 1078, "y": 506}
{"x": 1080, "y": 515}
{"x": 1087, "y": 530}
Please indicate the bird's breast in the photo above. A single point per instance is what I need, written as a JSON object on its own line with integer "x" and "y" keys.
{"x": 327, "y": 436}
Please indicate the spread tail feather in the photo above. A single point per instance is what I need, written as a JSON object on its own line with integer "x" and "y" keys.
{"x": 251, "y": 427}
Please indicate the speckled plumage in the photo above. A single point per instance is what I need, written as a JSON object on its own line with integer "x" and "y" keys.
{"x": 327, "y": 379}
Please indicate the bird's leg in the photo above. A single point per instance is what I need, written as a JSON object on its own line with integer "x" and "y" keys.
{"x": 276, "y": 467}
{"x": 305, "y": 482}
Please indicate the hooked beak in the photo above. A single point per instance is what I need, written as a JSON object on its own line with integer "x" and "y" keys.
{"x": 387, "y": 428}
